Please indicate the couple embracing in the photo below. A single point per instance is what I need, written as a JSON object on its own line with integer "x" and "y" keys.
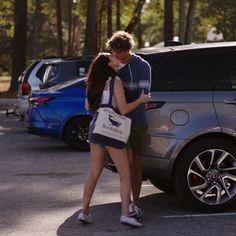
{"x": 124, "y": 79}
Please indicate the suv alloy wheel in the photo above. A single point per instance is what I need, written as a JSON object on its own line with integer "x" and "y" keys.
{"x": 208, "y": 174}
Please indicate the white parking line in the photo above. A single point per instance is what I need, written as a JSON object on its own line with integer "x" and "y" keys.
{"x": 200, "y": 215}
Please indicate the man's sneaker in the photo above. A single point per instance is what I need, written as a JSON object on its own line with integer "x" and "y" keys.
{"x": 126, "y": 220}
{"x": 86, "y": 219}
{"x": 135, "y": 212}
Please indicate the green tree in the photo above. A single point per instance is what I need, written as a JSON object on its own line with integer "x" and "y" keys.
{"x": 118, "y": 15}
{"x": 135, "y": 17}
{"x": 223, "y": 13}
{"x": 6, "y": 33}
{"x": 190, "y": 21}
{"x": 35, "y": 33}
{"x": 90, "y": 43}
{"x": 59, "y": 28}
{"x": 109, "y": 18}
{"x": 168, "y": 22}
{"x": 19, "y": 41}
{"x": 182, "y": 21}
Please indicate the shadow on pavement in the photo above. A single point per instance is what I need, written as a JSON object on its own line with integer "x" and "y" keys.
{"x": 106, "y": 217}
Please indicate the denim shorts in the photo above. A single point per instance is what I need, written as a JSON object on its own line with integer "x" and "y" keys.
{"x": 90, "y": 134}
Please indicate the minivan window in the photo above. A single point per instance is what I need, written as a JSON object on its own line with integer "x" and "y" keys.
{"x": 186, "y": 72}
{"x": 40, "y": 73}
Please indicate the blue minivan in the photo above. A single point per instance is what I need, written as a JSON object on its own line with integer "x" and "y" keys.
{"x": 59, "y": 112}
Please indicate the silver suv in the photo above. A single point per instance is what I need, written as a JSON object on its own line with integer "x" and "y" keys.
{"x": 191, "y": 147}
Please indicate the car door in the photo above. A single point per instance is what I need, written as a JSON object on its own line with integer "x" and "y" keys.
{"x": 181, "y": 106}
{"x": 225, "y": 94}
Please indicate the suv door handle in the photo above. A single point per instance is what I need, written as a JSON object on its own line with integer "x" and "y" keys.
{"x": 233, "y": 102}
{"x": 154, "y": 105}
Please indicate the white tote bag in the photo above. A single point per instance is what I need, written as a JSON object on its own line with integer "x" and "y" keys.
{"x": 113, "y": 125}
{"x": 111, "y": 128}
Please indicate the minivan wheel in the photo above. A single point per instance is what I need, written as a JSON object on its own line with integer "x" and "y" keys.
{"x": 205, "y": 175}
{"x": 76, "y": 133}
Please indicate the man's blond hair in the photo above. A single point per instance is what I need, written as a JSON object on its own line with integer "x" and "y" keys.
{"x": 120, "y": 40}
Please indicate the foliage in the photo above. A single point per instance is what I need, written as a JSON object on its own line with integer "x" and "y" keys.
{"x": 209, "y": 13}
{"x": 223, "y": 14}
{"x": 6, "y": 33}
{"x": 152, "y": 22}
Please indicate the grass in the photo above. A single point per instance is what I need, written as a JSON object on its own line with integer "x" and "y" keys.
{"x": 4, "y": 86}
{"x": 5, "y": 78}
{"x": 5, "y": 81}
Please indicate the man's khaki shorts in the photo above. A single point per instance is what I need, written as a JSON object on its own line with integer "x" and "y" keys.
{"x": 137, "y": 139}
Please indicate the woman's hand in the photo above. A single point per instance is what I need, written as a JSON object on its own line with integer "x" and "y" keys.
{"x": 144, "y": 98}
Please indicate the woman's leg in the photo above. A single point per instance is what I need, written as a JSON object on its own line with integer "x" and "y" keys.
{"x": 120, "y": 158}
{"x": 96, "y": 167}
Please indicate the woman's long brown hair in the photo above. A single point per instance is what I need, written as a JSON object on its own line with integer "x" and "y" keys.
{"x": 98, "y": 75}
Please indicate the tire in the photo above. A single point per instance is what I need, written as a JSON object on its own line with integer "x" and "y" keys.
{"x": 163, "y": 186}
{"x": 76, "y": 133}
{"x": 205, "y": 175}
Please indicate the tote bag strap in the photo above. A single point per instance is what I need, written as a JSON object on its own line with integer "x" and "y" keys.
{"x": 111, "y": 90}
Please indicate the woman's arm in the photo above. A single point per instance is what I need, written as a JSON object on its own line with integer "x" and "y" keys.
{"x": 122, "y": 105}
{"x": 87, "y": 105}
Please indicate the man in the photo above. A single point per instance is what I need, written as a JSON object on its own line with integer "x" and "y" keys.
{"x": 136, "y": 76}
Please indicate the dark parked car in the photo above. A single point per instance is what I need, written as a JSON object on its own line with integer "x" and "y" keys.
{"x": 47, "y": 72}
{"x": 60, "y": 71}
{"x": 59, "y": 112}
{"x": 191, "y": 146}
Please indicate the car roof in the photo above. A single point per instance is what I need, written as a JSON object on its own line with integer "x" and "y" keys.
{"x": 69, "y": 61}
{"x": 155, "y": 50}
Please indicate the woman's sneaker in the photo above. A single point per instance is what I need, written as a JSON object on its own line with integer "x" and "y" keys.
{"x": 135, "y": 212}
{"x": 86, "y": 219}
{"x": 126, "y": 220}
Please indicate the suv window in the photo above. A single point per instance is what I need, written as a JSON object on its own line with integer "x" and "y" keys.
{"x": 82, "y": 67}
{"x": 50, "y": 73}
{"x": 40, "y": 73}
{"x": 28, "y": 71}
{"x": 187, "y": 72}
{"x": 227, "y": 80}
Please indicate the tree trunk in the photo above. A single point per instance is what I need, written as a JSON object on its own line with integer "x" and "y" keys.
{"x": 59, "y": 28}
{"x": 135, "y": 17}
{"x": 19, "y": 42}
{"x": 75, "y": 35}
{"x": 69, "y": 41}
{"x": 90, "y": 47}
{"x": 190, "y": 21}
{"x": 182, "y": 21}
{"x": 168, "y": 22}
{"x": 117, "y": 15}
{"x": 33, "y": 42}
{"x": 139, "y": 30}
{"x": 101, "y": 11}
{"x": 109, "y": 18}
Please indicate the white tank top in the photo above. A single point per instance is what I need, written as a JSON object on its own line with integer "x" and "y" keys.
{"x": 106, "y": 93}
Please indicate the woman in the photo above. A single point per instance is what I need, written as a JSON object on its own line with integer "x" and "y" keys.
{"x": 102, "y": 70}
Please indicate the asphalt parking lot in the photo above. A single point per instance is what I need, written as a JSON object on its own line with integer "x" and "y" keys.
{"x": 41, "y": 190}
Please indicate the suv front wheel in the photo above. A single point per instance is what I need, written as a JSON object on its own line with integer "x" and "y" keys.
{"x": 205, "y": 175}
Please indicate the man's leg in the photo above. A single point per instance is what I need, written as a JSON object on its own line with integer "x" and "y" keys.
{"x": 136, "y": 175}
